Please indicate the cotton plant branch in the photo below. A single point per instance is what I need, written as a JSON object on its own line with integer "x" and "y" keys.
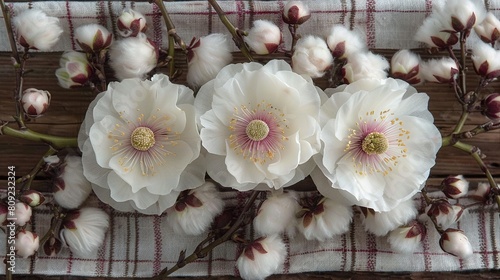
{"x": 235, "y": 32}
{"x": 202, "y": 250}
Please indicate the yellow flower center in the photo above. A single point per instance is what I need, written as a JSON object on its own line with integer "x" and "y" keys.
{"x": 142, "y": 138}
{"x": 257, "y": 130}
{"x": 374, "y": 143}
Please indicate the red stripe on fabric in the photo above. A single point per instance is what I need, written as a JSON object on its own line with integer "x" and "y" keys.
{"x": 460, "y": 260}
{"x": 70, "y": 263}
{"x": 111, "y": 241}
{"x": 352, "y": 236}
{"x": 371, "y": 262}
{"x": 493, "y": 238}
{"x": 70, "y": 25}
{"x": 428, "y": 7}
{"x": 343, "y": 240}
{"x": 158, "y": 245}
{"x": 427, "y": 255}
{"x": 483, "y": 239}
{"x": 127, "y": 250}
{"x": 281, "y": 24}
{"x": 136, "y": 244}
{"x": 286, "y": 264}
{"x": 101, "y": 13}
{"x": 370, "y": 23}
{"x": 240, "y": 7}
{"x": 157, "y": 26}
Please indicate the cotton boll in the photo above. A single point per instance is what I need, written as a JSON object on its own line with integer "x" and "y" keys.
{"x": 455, "y": 242}
{"x": 133, "y": 57}
{"x": 261, "y": 258}
{"x": 71, "y": 188}
{"x": 36, "y": 30}
{"x": 195, "y": 210}
{"x": 296, "y": 12}
{"x": 405, "y": 65}
{"x": 264, "y": 37}
{"x": 27, "y": 243}
{"x": 407, "y": 238}
{"x": 277, "y": 214}
{"x": 311, "y": 57}
{"x": 93, "y": 38}
{"x": 444, "y": 213}
{"x": 130, "y": 23}
{"x": 344, "y": 42}
{"x": 380, "y": 223}
{"x": 486, "y": 60}
{"x": 364, "y": 65}
{"x": 432, "y": 32}
{"x": 455, "y": 186}
{"x": 22, "y": 213}
{"x": 489, "y": 29}
{"x": 443, "y": 70}
{"x": 206, "y": 57}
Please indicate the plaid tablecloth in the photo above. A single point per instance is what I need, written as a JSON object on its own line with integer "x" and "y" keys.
{"x": 385, "y": 23}
{"x": 138, "y": 245}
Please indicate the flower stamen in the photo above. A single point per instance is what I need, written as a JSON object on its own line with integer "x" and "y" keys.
{"x": 142, "y": 138}
{"x": 257, "y": 130}
{"x": 374, "y": 143}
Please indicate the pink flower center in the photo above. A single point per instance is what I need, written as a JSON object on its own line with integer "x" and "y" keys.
{"x": 258, "y": 134}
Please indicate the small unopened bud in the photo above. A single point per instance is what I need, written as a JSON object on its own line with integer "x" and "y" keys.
{"x": 52, "y": 247}
{"x": 35, "y": 102}
{"x": 27, "y": 243}
{"x": 455, "y": 186}
{"x": 32, "y": 198}
{"x": 296, "y": 12}
{"x": 405, "y": 66}
{"x": 131, "y": 23}
{"x": 454, "y": 242}
{"x": 491, "y": 105}
{"x": 486, "y": 60}
{"x": 445, "y": 213}
{"x": 489, "y": 29}
{"x": 264, "y": 37}
{"x": 75, "y": 70}
{"x": 405, "y": 239}
{"x": 93, "y": 38}
{"x": 482, "y": 191}
{"x": 443, "y": 70}
{"x": 22, "y": 213}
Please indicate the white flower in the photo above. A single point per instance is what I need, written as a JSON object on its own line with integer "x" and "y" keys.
{"x": 433, "y": 34}
{"x": 443, "y": 70}
{"x": 75, "y": 69}
{"x": 36, "y": 30}
{"x": 277, "y": 214}
{"x": 130, "y": 23}
{"x": 455, "y": 186}
{"x": 325, "y": 219}
{"x": 195, "y": 210}
{"x": 489, "y": 29}
{"x": 206, "y": 57}
{"x": 83, "y": 230}
{"x": 295, "y": 12}
{"x": 71, "y": 188}
{"x": 261, "y": 258}
{"x": 22, "y": 213}
{"x": 454, "y": 242}
{"x": 380, "y": 223}
{"x": 93, "y": 38}
{"x": 133, "y": 57}
{"x": 460, "y": 15}
{"x": 252, "y": 128}
{"x": 405, "y": 65}
{"x": 27, "y": 243}
{"x": 486, "y": 60}
{"x": 364, "y": 65}
{"x": 344, "y": 42}
{"x": 35, "y": 102}
{"x": 264, "y": 37}
{"x": 444, "y": 213}
{"x": 407, "y": 238}
{"x": 491, "y": 106}
{"x": 311, "y": 57}
{"x": 140, "y": 143}
{"x": 379, "y": 142}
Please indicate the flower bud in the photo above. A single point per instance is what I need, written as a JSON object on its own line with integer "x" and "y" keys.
{"x": 27, "y": 243}
{"x": 445, "y": 213}
{"x": 462, "y": 15}
{"x": 93, "y": 38}
{"x": 195, "y": 210}
{"x": 261, "y": 258}
{"x": 206, "y": 57}
{"x": 344, "y": 42}
{"x": 311, "y": 57}
{"x": 36, "y": 30}
{"x": 83, "y": 230}
{"x": 264, "y": 37}
{"x": 443, "y": 70}
{"x": 133, "y": 57}
{"x": 35, "y": 102}
{"x": 489, "y": 29}
{"x": 52, "y": 247}
{"x": 4, "y": 209}
{"x": 405, "y": 65}
{"x": 364, "y": 65}
{"x": 381, "y": 223}
{"x": 296, "y": 12}
{"x": 482, "y": 192}
{"x": 491, "y": 105}
{"x": 277, "y": 214}
{"x": 454, "y": 242}
{"x": 406, "y": 239}
{"x": 486, "y": 60}
{"x": 32, "y": 198}
{"x": 22, "y": 213}
{"x": 431, "y": 32}
{"x": 455, "y": 186}
{"x": 130, "y": 23}
{"x": 70, "y": 188}
{"x": 75, "y": 69}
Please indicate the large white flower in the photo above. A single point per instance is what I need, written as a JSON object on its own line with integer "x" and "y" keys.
{"x": 140, "y": 145}
{"x": 259, "y": 125}
{"x": 379, "y": 142}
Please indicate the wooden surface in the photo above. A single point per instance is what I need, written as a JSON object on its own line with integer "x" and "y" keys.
{"x": 68, "y": 108}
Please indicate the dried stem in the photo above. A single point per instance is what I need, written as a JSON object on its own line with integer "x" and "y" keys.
{"x": 10, "y": 33}
{"x": 28, "y": 178}
{"x": 55, "y": 225}
{"x": 201, "y": 251}
{"x": 235, "y": 32}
